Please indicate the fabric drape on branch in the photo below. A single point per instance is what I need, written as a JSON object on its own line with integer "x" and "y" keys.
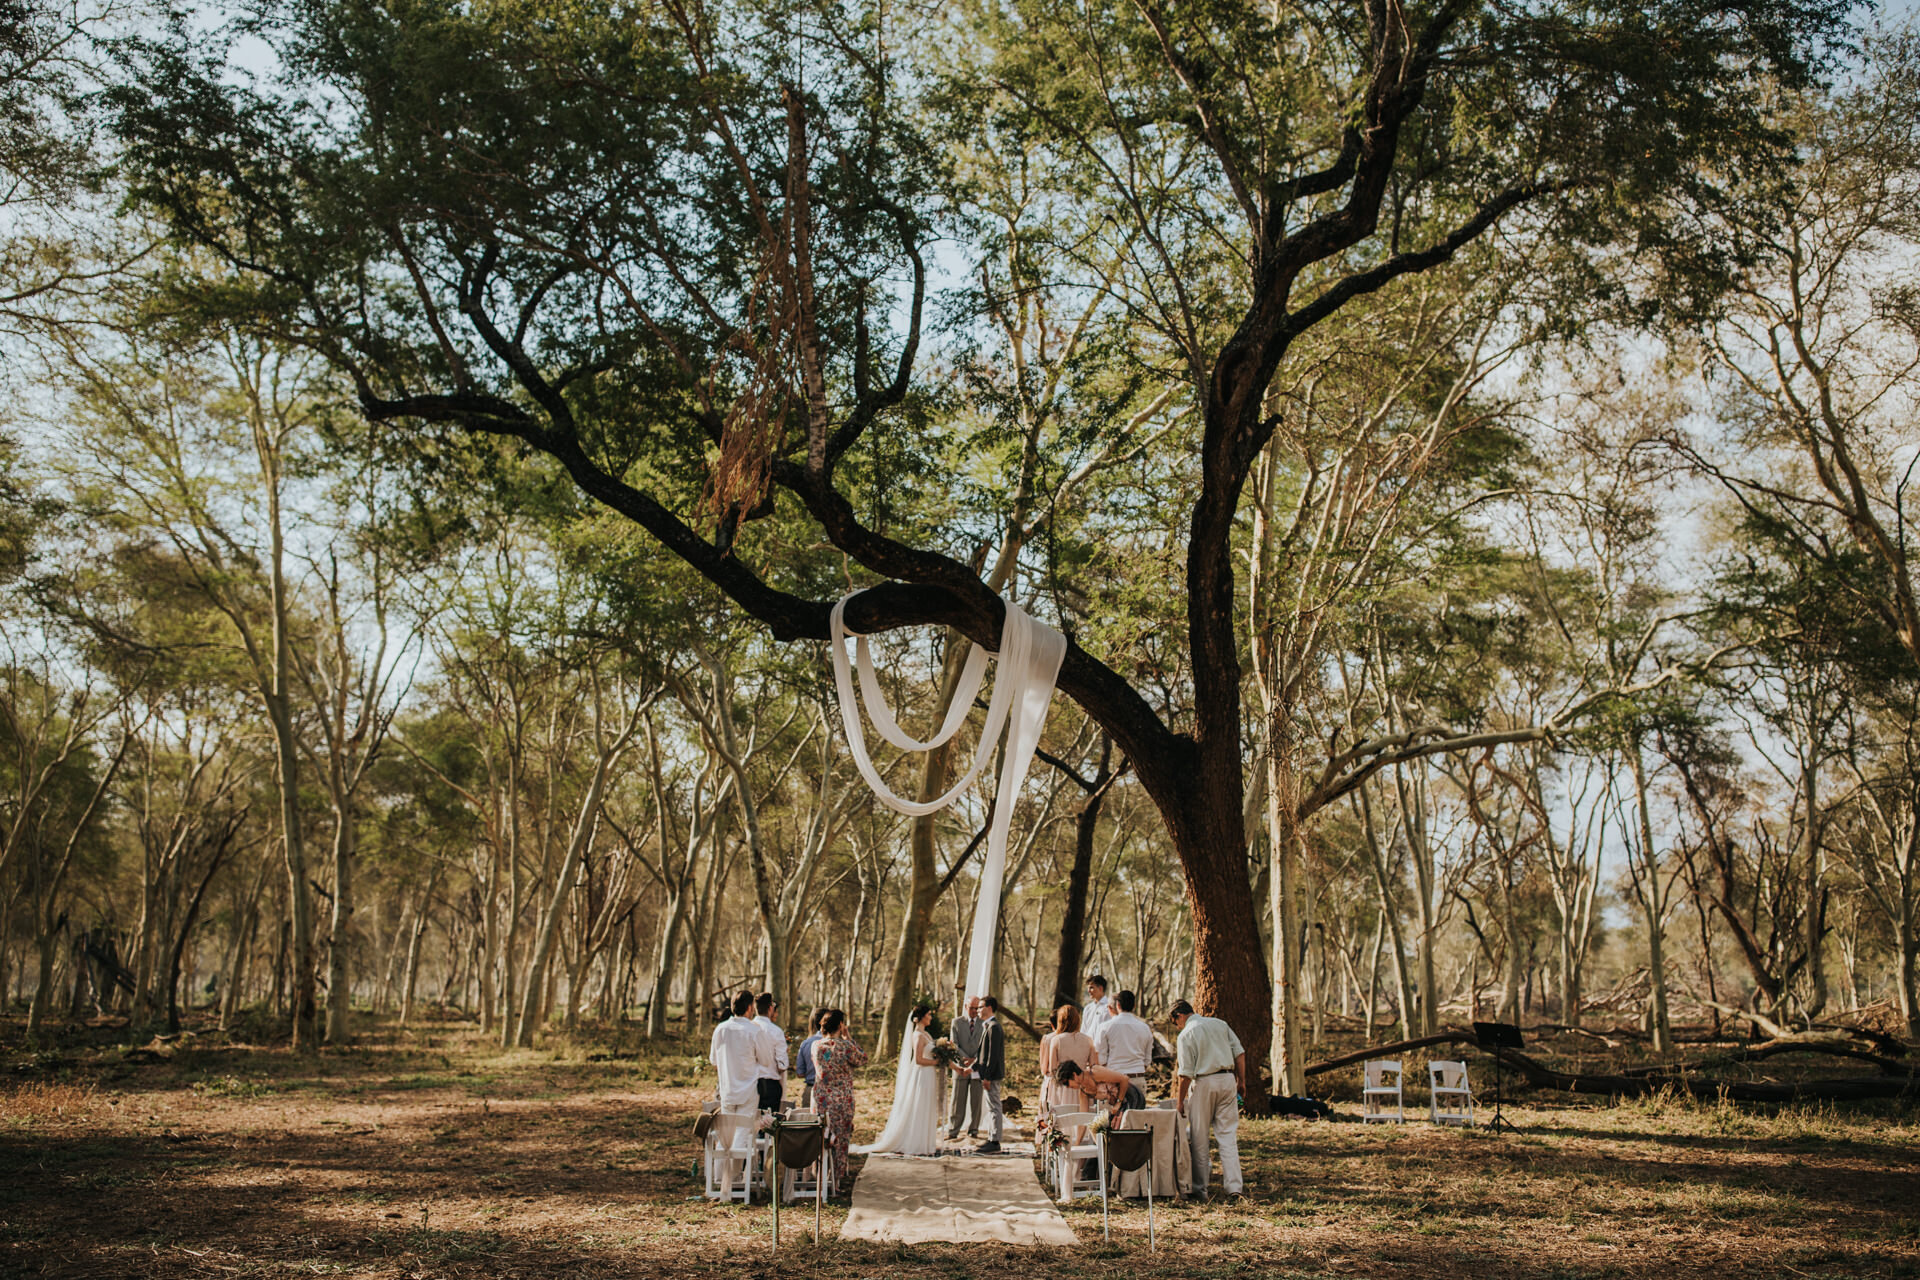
{"x": 1030, "y": 656}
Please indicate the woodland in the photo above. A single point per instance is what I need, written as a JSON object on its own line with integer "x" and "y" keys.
{"x": 1468, "y": 447}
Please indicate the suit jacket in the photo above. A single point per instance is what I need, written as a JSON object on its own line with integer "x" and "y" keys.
{"x": 967, "y": 1037}
{"x": 993, "y": 1054}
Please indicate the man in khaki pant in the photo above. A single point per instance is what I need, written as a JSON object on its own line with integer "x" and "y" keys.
{"x": 1210, "y": 1075}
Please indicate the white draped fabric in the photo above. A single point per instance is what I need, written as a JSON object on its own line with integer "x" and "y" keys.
{"x": 1029, "y": 658}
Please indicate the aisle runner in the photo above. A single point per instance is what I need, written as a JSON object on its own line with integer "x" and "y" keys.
{"x": 954, "y": 1198}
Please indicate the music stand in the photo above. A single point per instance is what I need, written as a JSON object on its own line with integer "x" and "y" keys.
{"x": 1492, "y": 1037}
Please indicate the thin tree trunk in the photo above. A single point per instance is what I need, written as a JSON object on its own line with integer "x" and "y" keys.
{"x": 585, "y": 825}
{"x": 1066, "y": 980}
{"x": 339, "y": 939}
{"x": 1289, "y": 1049}
{"x": 243, "y": 946}
{"x": 1660, "y": 1028}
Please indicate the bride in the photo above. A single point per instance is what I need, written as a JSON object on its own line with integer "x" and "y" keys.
{"x": 913, "y": 1128}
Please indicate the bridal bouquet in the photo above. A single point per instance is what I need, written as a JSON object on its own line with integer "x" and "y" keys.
{"x": 946, "y": 1054}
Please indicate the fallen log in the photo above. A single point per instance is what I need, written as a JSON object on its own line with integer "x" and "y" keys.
{"x": 1391, "y": 1050}
{"x": 1684, "y": 1077}
{"x": 1833, "y": 1046}
{"x": 1847, "y": 1089}
{"x": 1892, "y": 1046}
{"x": 1020, "y": 1022}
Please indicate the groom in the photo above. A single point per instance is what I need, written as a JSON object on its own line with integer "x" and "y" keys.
{"x": 991, "y": 1067}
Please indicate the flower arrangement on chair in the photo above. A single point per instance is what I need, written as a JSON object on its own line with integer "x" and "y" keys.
{"x": 1049, "y": 1138}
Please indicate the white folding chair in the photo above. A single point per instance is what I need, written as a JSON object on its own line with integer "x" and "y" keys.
{"x": 733, "y": 1157}
{"x": 1076, "y": 1153}
{"x": 1450, "y": 1096}
{"x": 1381, "y": 1099}
{"x": 1050, "y": 1158}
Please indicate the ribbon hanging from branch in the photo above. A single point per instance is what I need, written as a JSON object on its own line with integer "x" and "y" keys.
{"x": 1029, "y": 657}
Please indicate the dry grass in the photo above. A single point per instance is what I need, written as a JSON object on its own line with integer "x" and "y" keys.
{"x": 429, "y": 1155}
{"x": 48, "y": 1105}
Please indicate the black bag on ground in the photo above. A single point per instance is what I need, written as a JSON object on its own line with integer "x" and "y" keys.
{"x": 1305, "y": 1108}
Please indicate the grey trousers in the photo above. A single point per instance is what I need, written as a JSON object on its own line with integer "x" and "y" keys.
{"x": 969, "y": 1094}
{"x": 1211, "y": 1105}
{"x": 966, "y": 1096}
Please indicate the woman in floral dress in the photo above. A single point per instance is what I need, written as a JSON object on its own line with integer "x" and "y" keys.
{"x": 834, "y": 1058}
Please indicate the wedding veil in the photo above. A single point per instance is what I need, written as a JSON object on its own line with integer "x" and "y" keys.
{"x": 908, "y": 1083}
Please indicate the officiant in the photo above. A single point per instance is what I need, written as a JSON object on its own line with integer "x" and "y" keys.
{"x": 968, "y": 1033}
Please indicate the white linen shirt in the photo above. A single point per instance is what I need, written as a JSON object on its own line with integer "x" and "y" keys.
{"x": 1206, "y": 1046}
{"x": 738, "y": 1051}
{"x": 1125, "y": 1044}
{"x": 1092, "y": 1016}
{"x": 776, "y": 1066}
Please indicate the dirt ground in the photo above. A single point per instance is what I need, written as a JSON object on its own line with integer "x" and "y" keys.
{"x": 431, "y": 1154}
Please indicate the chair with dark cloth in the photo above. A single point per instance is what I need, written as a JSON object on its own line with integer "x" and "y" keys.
{"x": 800, "y": 1146}
{"x": 1130, "y": 1150}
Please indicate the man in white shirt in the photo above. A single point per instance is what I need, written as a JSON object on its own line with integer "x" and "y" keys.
{"x": 773, "y": 1069}
{"x": 1210, "y": 1075}
{"x": 1125, "y": 1043}
{"x": 737, "y": 1051}
{"x": 1098, "y": 1008}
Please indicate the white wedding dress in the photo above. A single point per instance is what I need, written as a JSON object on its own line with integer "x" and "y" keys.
{"x": 914, "y": 1127}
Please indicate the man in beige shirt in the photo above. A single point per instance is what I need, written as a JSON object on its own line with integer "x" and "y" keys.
{"x": 1210, "y": 1075}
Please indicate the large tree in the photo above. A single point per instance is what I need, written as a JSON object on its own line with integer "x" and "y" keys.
{"x": 683, "y": 251}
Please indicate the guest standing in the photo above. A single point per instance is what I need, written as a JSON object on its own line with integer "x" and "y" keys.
{"x": 803, "y": 1057}
{"x": 835, "y": 1055}
{"x": 1099, "y": 1006}
{"x": 1210, "y": 1075}
{"x": 1066, "y": 1044}
{"x": 1125, "y": 1043}
{"x": 738, "y": 1051}
{"x": 1046, "y": 1040}
{"x": 773, "y": 1070}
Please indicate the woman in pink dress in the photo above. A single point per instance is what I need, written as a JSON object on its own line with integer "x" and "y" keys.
{"x": 835, "y": 1057}
{"x": 1066, "y": 1044}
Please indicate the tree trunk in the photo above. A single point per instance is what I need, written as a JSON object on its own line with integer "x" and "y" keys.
{"x": 1651, "y": 900}
{"x": 854, "y": 942}
{"x": 144, "y": 952}
{"x": 585, "y": 825}
{"x": 247, "y": 930}
{"x": 663, "y": 968}
{"x": 339, "y": 940}
{"x": 1413, "y": 817}
{"x": 1816, "y": 906}
{"x": 1289, "y": 1047}
{"x": 184, "y": 930}
{"x": 416, "y": 935}
{"x": 1569, "y": 981}
{"x": 1066, "y": 980}
{"x": 43, "y": 984}
{"x": 1907, "y": 974}
{"x": 488, "y": 941}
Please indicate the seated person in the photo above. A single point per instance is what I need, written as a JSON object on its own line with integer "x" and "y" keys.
{"x": 1103, "y": 1085}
